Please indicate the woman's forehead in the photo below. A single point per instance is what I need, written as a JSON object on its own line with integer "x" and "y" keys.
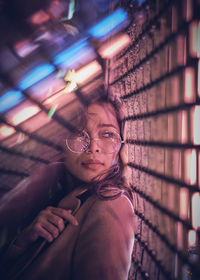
{"x": 102, "y": 113}
{"x": 96, "y": 115}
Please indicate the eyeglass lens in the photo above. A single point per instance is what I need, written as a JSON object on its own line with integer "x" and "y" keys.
{"x": 108, "y": 143}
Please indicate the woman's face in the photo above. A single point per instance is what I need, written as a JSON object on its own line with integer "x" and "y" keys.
{"x": 87, "y": 165}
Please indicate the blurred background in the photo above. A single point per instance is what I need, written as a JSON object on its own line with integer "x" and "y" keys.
{"x": 57, "y": 55}
{"x": 52, "y": 61}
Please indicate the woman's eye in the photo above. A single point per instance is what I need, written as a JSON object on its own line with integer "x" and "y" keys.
{"x": 107, "y": 134}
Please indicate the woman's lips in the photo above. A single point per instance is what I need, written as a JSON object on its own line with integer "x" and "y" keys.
{"x": 92, "y": 164}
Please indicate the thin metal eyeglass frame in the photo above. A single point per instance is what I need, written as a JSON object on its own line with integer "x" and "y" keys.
{"x": 122, "y": 142}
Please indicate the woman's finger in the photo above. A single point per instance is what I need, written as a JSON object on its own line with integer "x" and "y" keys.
{"x": 51, "y": 228}
{"x": 65, "y": 214}
{"x": 40, "y": 231}
{"x": 55, "y": 220}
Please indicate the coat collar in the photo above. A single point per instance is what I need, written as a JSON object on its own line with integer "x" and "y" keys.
{"x": 74, "y": 199}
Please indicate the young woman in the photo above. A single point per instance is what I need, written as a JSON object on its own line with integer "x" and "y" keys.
{"x": 89, "y": 233}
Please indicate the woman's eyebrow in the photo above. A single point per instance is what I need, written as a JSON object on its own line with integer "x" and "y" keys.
{"x": 107, "y": 125}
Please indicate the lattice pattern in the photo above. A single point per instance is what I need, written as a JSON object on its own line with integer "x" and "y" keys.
{"x": 157, "y": 78}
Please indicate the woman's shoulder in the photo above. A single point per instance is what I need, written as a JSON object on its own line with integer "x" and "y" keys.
{"x": 111, "y": 214}
{"x": 112, "y": 193}
{"x": 113, "y": 198}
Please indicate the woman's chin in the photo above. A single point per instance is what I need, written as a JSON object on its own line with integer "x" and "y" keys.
{"x": 91, "y": 175}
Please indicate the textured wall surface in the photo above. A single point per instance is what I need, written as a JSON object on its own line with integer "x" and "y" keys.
{"x": 157, "y": 78}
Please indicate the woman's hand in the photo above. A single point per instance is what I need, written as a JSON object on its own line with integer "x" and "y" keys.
{"x": 49, "y": 223}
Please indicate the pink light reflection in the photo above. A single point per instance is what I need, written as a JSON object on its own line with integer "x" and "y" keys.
{"x": 199, "y": 78}
{"x": 198, "y": 40}
{"x": 192, "y": 239}
{"x": 88, "y": 72}
{"x": 193, "y": 38}
{"x": 196, "y": 210}
{"x": 6, "y": 131}
{"x": 25, "y": 47}
{"x": 184, "y": 205}
{"x": 24, "y": 114}
{"x": 190, "y": 166}
{"x": 175, "y": 90}
{"x": 114, "y": 46}
{"x": 39, "y": 17}
{"x": 182, "y": 126}
{"x": 195, "y": 126}
{"x": 189, "y": 85}
{"x": 189, "y": 10}
{"x": 176, "y": 155}
{"x": 199, "y": 169}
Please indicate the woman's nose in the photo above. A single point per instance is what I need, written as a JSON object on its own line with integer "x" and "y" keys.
{"x": 93, "y": 147}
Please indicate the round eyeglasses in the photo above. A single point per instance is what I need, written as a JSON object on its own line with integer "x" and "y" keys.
{"x": 108, "y": 141}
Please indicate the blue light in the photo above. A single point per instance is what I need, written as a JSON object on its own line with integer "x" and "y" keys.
{"x": 10, "y": 99}
{"x": 108, "y": 24}
{"x": 141, "y": 1}
{"x": 36, "y": 75}
{"x": 71, "y": 54}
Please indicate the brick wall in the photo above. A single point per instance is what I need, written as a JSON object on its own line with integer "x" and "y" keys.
{"x": 158, "y": 81}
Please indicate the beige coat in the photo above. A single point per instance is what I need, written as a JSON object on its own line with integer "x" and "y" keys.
{"x": 99, "y": 247}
